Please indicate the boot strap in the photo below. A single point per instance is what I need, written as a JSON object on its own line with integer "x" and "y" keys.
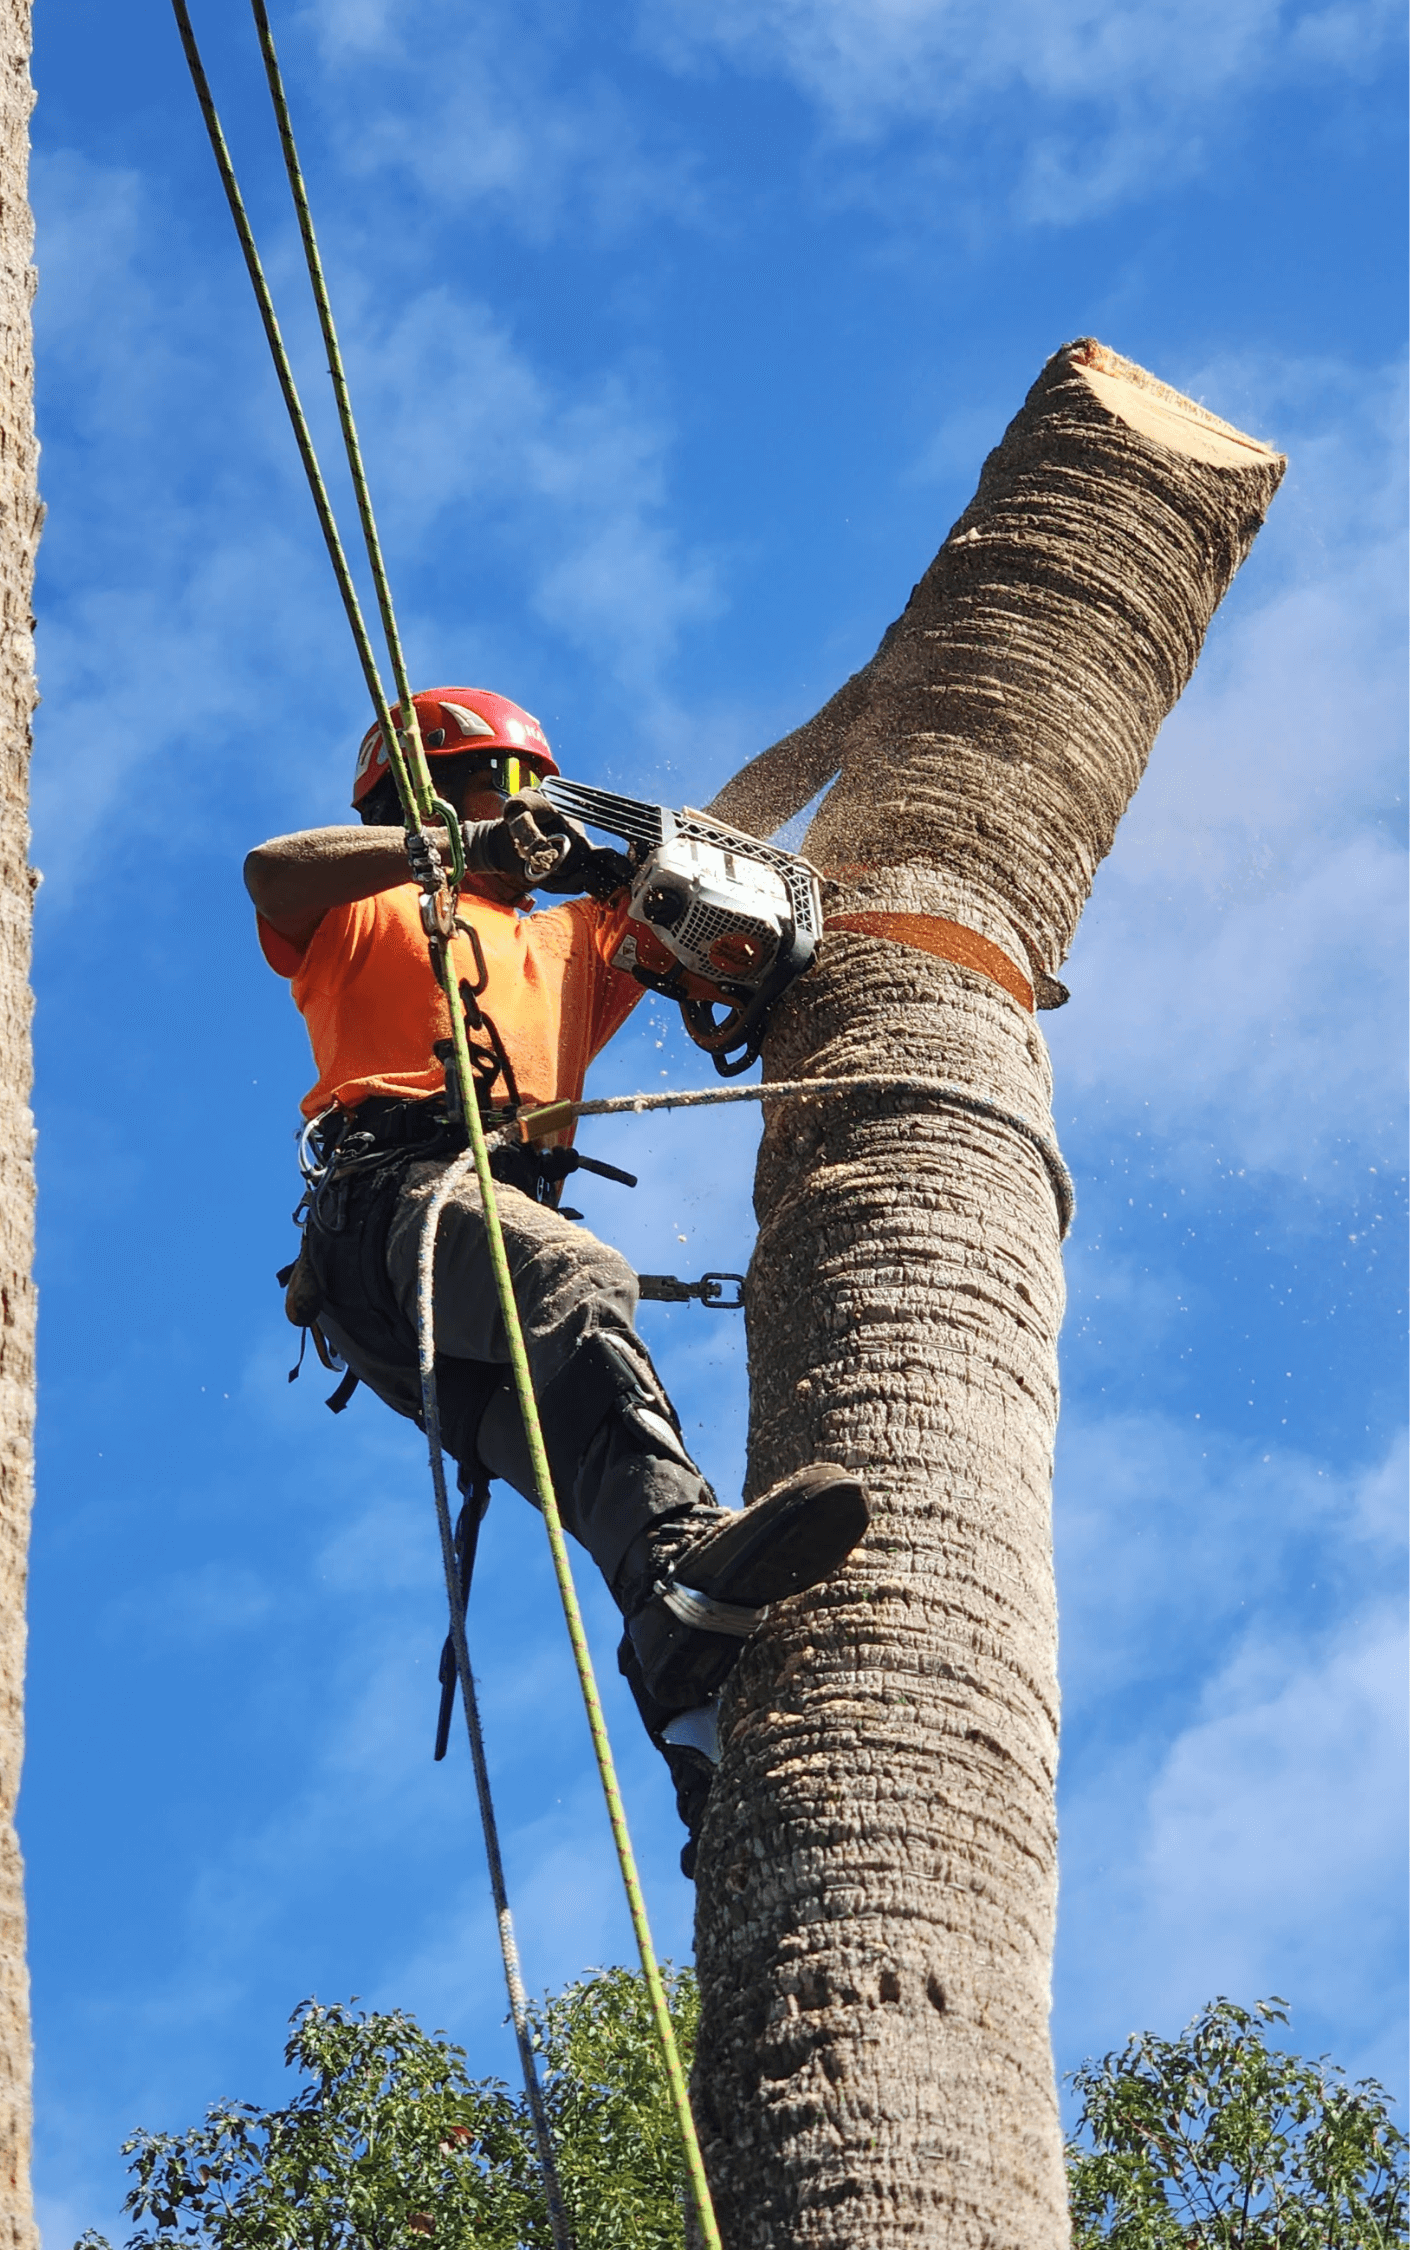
{"x": 707, "y": 1616}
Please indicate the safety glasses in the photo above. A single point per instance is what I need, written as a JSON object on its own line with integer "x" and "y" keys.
{"x": 508, "y": 773}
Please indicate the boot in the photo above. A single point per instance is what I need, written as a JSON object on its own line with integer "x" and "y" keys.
{"x": 694, "y": 1590}
{"x": 689, "y": 1743}
{"x": 691, "y": 1578}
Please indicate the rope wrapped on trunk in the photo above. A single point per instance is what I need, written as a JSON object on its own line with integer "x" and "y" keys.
{"x": 534, "y": 1124}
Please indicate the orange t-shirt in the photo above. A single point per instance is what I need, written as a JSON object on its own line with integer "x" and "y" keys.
{"x": 365, "y": 988}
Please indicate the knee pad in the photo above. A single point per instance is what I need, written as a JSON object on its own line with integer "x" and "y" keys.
{"x": 603, "y": 1378}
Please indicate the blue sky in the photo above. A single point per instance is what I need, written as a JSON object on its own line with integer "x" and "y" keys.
{"x": 679, "y": 332}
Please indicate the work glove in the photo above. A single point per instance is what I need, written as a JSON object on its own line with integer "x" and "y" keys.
{"x": 544, "y": 849}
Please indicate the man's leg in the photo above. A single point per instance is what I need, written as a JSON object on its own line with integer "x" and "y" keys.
{"x": 619, "y": 1465}
{"x": 691, "y": 1764}
{"x": 690, "y": 1577}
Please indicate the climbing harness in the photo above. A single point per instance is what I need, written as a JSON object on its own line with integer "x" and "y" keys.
{"x": 354, "y": 1164}
{"x": 407, "y": 761}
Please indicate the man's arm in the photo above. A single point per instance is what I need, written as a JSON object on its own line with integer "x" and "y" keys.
{"x": 294, "y": 880}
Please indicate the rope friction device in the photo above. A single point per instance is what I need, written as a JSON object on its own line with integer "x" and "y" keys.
{"x": 715, "y": 916}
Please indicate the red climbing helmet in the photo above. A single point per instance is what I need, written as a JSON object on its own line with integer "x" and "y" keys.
{"x": 456, "y": 719}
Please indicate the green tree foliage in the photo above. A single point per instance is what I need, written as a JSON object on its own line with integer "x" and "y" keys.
{"x": 614, "y": 2128}
{"x": 1217, "y": 2141}
{"x": 1213, "y": 2141}
{"x": 391, "y": 2146}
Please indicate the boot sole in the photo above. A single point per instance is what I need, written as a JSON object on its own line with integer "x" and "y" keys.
{"x": 799, "y": 1533}
{"x": 795, "y": 1536}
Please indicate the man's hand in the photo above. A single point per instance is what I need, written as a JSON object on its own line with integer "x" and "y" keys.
{"x": 295, "y": 880}
{"x": 555, "y": 851}
{"x": 515, "y": 845}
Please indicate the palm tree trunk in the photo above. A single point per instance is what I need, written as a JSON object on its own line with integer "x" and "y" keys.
{"x": 877, "y": 1874}
{"x": 19, "y": 532}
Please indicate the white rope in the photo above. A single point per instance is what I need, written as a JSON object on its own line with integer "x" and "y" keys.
{"x": 534, "y": 1123}
{"x": 508, "y": 1946}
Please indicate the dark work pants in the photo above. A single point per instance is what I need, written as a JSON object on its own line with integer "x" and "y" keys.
{"x": 570, "y": 1288}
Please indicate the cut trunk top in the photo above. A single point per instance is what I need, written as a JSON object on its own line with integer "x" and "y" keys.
{"x": 975, "y": 777}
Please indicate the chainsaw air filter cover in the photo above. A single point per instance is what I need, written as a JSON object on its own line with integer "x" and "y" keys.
{"x": 716, "y": 917}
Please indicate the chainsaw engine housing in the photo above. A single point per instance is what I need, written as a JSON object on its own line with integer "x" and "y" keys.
{"x": 716, "y": 917}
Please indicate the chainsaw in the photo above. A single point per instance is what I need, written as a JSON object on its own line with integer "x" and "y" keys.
{"x": 715, "y": 918}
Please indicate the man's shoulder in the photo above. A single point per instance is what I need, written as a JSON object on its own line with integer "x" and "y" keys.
{"x": 344, "y": 932}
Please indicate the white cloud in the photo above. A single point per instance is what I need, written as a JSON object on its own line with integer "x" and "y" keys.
{"x": 1233, "y": 1784}
{"x": 1173, "y": 1539}
{"x": 1236, "y": 977}
{"x": 509, "y": 110}
{"x": 484, "y": 444}
{"x": 172, "y": 631}
{"x": 1265, "y": 1854}
{"x": 568, "y": 1909}
{"x": 1091, "y": 101}
{"x": 1276, "y": 1821}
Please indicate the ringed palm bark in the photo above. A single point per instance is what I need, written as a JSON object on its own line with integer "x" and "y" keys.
{"x": 877, "y": 1871}
{"x": 19, "y": 529}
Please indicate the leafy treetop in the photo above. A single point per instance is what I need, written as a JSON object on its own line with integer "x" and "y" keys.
{"x": 391, "y": 2146}
{"x": 1212, "y": 2141}
{"x": 1217, "y": 2141}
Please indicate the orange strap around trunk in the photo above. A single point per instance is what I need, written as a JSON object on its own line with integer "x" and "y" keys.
{"x": 948, "y": 941}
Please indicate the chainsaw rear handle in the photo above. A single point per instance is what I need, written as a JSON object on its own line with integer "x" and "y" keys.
{"x": 732, "y": 1041}
{"x": 743, "y": 1027}
{"x": 748, "y": 1020}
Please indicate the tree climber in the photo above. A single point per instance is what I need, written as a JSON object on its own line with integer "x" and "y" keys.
{"x": 339, "y": 916}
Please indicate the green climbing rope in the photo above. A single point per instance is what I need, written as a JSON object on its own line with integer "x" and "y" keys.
{"x": 408, "y": 765}
{"x": 426, "y": 803}
{"x": 327, "y": 522}
{"x": 587, "y": 1680}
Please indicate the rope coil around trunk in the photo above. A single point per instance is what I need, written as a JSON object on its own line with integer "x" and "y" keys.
{"x": 534, "y": 1124}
